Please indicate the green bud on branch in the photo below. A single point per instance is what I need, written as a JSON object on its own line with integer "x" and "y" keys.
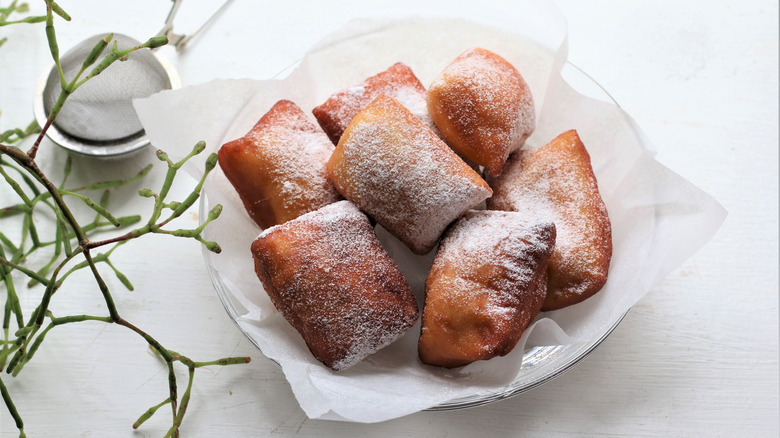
{"x": 120, "y": 276}
{"x": 162, "y": 156}
{"x": 225, "y": 361}
{"x": 211, "y": 246}
{"x": 148, "y": 414}
{"x": 146, "y": 193}
{"x": 12, "y": 409}
{"x": 199, "y": 147}
{"x": 93, "y": 205}
{"x": 96, "y": 51}
{"x": 156, "y": 42}
{"x": 108, "y": 60}
{"x": 59, "y": 11}
{"x": 211, "y": 162}
{"x": 28, "y": 20}
{"x": 215, "y": 212}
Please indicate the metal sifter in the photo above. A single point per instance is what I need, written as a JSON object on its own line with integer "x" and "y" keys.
{"x": 99, "y": 118}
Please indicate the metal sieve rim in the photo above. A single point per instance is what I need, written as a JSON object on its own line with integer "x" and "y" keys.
{"x": 105, "y": 149}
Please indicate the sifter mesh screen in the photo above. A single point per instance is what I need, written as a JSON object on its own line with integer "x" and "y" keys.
{"x": 101, "y": 110}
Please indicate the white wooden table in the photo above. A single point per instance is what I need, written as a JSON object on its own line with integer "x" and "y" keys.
{"x": 696, "y": 357}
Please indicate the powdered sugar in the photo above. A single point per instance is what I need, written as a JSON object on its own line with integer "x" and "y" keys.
{"x": 402, "y": 175}
{"x": 298, "y": 164}
{"x": 278, "y": 168}
{"x": 328, "y": 275}
{"x": 398, "y": 82}
{"x": 483, "y": 107}
{"x": 556, "y": 183}
{"x": 505, "y": 244}
{"x": 487, "y": 283}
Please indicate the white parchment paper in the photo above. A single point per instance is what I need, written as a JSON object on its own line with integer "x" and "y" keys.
{"x": 658, "y": 218}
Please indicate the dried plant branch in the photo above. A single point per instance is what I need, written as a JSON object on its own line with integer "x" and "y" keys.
{"x": 72, "y": 245}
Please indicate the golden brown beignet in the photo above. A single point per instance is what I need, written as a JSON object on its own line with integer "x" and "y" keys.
{"x": 487, "y": 283}
{"x": 278, "y": 168}
{"x": 401, "y": 174}
{"x": 556, "y": 182}
{"x": 398, "y": 82}
{"x": 331, "y": 279}
{"x": 483, "y": 108}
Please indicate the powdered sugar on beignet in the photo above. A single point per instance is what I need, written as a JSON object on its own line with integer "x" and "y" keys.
{"x": 328, "y": 275}
{"x": 486, "y": 285}
{"x": 556, "y": 182}
{"x": 398, "y": 82}
{"x": 483, "y": 108}
{"x": 278, "y": 168}
{"x": 400, "y": 173}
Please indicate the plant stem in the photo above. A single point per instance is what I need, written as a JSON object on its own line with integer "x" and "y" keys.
{"x": 12, "y": 408}
{"x": 51, "y": 287}
{"x": 30, "y": 273}
{"x": 29, "y": 337}
{"x": 148, "y": 414}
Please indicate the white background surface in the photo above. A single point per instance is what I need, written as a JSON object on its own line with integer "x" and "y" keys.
{"x": 697, "y": 357}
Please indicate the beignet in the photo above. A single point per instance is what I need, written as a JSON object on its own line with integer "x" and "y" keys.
{"x": 401, "y": 174}
{"x": 482, "y": 107}
{"x": 398, "y": 82}
{"x": 556, "y": 182}
{"x": 278, "y": 168}
{"x": 487, "y": 283}
{"x": 331, "y": 279}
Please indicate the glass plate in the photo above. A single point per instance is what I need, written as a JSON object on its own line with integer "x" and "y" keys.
{"x": 540, "y": 364}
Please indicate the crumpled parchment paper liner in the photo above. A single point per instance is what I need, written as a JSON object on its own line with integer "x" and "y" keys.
{"x": 658, "y": 218}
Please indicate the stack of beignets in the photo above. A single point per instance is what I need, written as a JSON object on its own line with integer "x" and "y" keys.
{"x": 398, "y": 82}
{"x": 401, "y": 174}
{"x": 483, "y": 108}
{"x": 278, "y": 168}
{"x": 331, "y": 279}
{"x": 487, "y": 283}
{"x": 556, "y": 182}
{"x": 544, "y": 242}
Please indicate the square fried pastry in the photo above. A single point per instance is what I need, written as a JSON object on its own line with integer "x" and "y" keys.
{"x": 398, "y": 81}
{"x": 328, "y": 275}
{"x": 482, "y": 107}
{"x": 556, "y": 182}
{"x": 486, "y": 285}
{"x": 278, "y": 168}
{"x": 402, "y": 175}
